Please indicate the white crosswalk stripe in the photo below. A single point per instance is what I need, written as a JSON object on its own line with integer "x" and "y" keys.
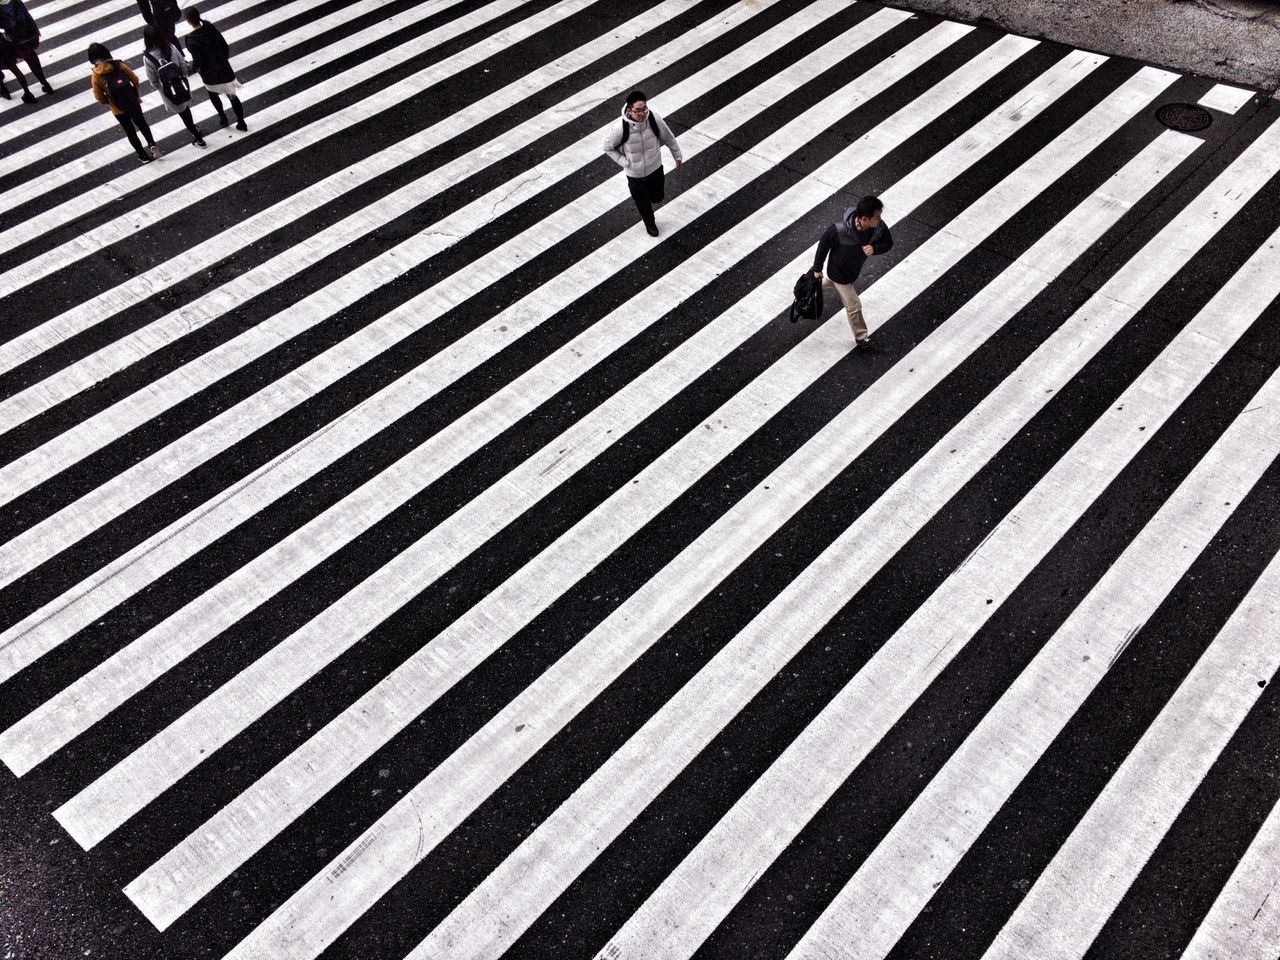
{"x": 404, "y": 554}
{"x": 1245, "y": 918}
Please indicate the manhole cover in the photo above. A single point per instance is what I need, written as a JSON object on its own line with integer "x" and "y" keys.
{"x": 1186, "y": 117}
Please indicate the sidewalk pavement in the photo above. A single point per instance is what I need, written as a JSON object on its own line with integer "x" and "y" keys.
{"x": 1237, "y": 41}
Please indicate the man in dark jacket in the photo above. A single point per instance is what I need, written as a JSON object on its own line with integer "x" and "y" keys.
{"x": 845, "y": 246}
{"x": 164, "y": 16}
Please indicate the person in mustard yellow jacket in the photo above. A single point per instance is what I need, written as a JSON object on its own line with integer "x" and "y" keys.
{"x": 117, "y": 86}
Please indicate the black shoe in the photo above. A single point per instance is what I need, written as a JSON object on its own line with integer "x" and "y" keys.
{"x": 863, "y": 344}
{"x": 145, "y": 158}
{"x": 652, "y": 228}
{"x": 4, "y": 92}
{"x": 241, "y": 125}
{"x": 199, "y": 141}
{"x": 28, "y": 97}
{"x": 223, "y": 121}
{"x": 46, "y": 88}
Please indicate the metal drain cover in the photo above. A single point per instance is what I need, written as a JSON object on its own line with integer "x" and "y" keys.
{"x": 1186, "y": 117}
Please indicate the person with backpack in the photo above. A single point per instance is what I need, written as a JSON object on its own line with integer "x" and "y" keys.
{"x": 167, "y": 71}
{"x": 164, "y": 16}
{"x": 210, "y": 57}
{"x": 9, "y": 61}
{"x": 20, "y": 29}
{"x": 636, "y": 146}
{"x": 845, "y": 247}
{"x": 117, "y": 86}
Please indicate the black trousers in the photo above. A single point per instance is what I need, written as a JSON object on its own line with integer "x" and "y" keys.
{"x": 169, "y": 33}
{"x": 132, "y": 123}
{"x": 646, "y": 191}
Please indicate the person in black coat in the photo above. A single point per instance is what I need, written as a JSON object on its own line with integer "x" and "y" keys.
{"x": 23, "y": 35}
{"x": 845, "y": 246}
{"x": 210, "y": 57}
{"x": 164, "y": 16}
{"x": 9, "y": 61}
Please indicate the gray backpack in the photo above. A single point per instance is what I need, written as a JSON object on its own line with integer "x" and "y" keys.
{"x": 172, "y": 82}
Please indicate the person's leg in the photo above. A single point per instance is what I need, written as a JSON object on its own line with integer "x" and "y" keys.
{"x": 852, "y": 308}
{"x": 145, "y": 127}
{"x": 217, "y": 105}
{"x": 127, "y": 121}
{"x": 22, "y": 82}
{"x": 639, "y": 187}
{"x": 191, "y": 127}
{"x": 657, "y": 186}
{"x": 33, "y": 61}
{"x": 238, "y": 107}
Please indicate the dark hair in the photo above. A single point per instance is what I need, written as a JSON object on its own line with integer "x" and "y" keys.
{"x": 98, "y": 52}
{"x": 635, "y": 95}
{"x": 153, "y": 39}
{"x": 192, "y": 15}
{"x": 869, "y": 206}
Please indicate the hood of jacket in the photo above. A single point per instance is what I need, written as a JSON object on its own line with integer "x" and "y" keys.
{"x": 847, "y": 234}
{"x": 636, "y": 124}
{"x": 845, "y": 230}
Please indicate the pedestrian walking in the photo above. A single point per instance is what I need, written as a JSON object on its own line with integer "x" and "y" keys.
{"x": 167, "y": 71}
{"x": 210, "y": 57}
{"x": 845, "y": 247}
{"x": 9, "y": 61}
{"x": 636, "y": 146}
{"x": 164, "y": 16}
{"x": 117, "y": 86}
{"x": 21, "y": 30}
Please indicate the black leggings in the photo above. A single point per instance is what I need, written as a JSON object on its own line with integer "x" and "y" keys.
{"x": 235, "y": 105}
{"x": 22, "y": 82}
{"x": 133, "y": 121}
{"x": 185, "y": 114}
{"x": 33, "y": 62}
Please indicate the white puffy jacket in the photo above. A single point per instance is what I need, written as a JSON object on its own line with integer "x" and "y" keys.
{"x": 641, "y": 155}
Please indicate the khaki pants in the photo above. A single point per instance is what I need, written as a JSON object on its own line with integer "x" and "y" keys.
{"x": 852, "y": 306}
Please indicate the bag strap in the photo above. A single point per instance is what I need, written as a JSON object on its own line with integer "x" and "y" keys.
{"x": 159, "y": 61}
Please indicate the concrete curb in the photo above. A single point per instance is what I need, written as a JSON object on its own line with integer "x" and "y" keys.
{"x": 1233, "y": 41}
